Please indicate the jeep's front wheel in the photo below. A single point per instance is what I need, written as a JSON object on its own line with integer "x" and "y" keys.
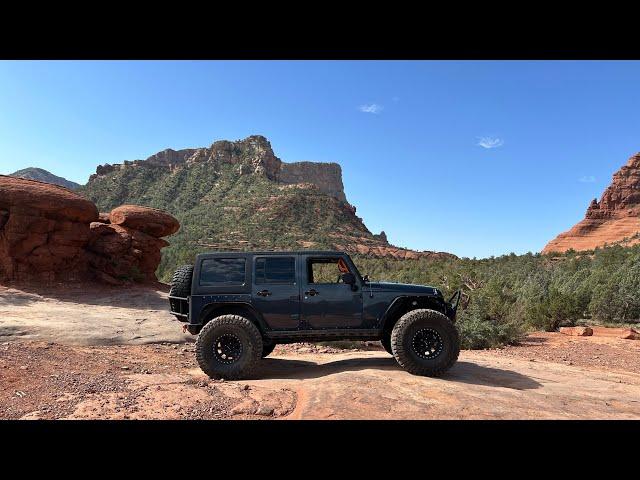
{"x": 228, "y": 347}
{"x": 267, "y": 348}
{"x": 386, "y": 343}
{"x": 425, "y": 342}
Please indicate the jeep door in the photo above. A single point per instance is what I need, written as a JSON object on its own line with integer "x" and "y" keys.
{"x": 275, "y": 291}
{"x": 327, "y": 302}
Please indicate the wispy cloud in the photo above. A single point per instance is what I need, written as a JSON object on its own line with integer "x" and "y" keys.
{"x": 587, "y": 179}
{"x": 370, "y": 108}
{"x": 490, "y": 142}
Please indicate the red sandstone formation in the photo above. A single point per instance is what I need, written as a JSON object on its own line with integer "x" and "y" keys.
{"x": 50, "y": 233}
{"x": 615, "y": 219}
{"x": 43, "y": 229}
{"x": 123, "y": 254}
{"x": 148, "y": 220}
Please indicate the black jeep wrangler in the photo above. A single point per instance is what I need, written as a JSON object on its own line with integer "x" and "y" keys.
{"x": 241, "y": 305}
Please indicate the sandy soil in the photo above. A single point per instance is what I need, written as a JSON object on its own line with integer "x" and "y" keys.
{"x": 62, "y": 359}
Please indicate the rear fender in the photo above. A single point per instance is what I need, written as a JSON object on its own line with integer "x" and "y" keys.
{"x": 247, "y": 310}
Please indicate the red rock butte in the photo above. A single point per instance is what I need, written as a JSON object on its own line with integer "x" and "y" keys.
{"x": 614, "y": 220}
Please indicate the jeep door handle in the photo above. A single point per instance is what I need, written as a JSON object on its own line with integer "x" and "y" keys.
{"x": 264, "y": 293}
{"x": 312, "y": 292}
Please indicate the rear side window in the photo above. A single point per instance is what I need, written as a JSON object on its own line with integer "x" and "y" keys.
{"x": 275, "y": 270}
{"x": 223, "y": 271}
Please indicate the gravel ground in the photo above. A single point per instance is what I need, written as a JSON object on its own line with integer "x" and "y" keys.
{"x": 46, "y": 380}
{"x": 547, "y": 376}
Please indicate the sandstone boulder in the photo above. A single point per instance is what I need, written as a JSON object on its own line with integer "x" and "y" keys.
{"x": 151, "y": 221}
{"x": 50, "y": 201}
{"x": 630, "y": 334}
{"x": 620, "y": 332}
{"x": 577, "y": 331}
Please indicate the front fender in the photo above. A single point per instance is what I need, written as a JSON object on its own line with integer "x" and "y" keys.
{"x": 404, "y": 303}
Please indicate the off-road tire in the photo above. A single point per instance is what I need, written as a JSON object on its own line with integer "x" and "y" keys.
{"x": 386, "y": 343}
{"x": 181, "y": 281}
{"x": 403, "y": 338}
{"x": 267, "y": 348}
{"x": 241, "y": 330}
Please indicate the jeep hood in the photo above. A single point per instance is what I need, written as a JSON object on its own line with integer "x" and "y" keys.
{"x": 402, "y": 288}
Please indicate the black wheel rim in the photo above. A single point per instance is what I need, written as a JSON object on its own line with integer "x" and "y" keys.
{"x": 227, "y": 348}
{"x": 427, "y": 343}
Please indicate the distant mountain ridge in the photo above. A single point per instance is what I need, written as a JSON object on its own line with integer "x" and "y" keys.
{"x": 240, "y": 196}
{"x": 33, "y": 173}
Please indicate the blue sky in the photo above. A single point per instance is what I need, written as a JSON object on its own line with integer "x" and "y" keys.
{"x": 475, "y": 158}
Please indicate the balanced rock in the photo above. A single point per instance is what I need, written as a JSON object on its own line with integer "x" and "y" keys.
{"x": 151, "y": 221}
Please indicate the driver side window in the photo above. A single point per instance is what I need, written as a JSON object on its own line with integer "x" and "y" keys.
{"x": 326, "y": 270}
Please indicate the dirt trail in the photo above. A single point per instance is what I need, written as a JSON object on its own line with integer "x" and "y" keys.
{"x": 42, "y": 380}
{"x": 118, "y": 354}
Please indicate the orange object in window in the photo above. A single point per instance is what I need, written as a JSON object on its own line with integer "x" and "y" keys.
{"x": 342, "y": 266}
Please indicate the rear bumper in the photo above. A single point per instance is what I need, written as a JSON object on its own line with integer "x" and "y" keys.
{"x": 179, "y": 306}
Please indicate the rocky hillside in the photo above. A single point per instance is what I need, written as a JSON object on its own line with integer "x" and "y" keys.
{"x": 240, "y": 196}
{"x": 615, "y": 219}
{"x": 43, "y": 175}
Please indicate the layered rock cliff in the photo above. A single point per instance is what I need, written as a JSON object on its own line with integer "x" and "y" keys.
{"x": 253, "y": 155}
{"x": 615, "y": 219}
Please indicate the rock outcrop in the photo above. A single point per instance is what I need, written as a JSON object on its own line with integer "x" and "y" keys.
{"x": 49, "y": 233}
{"x": 43, "y": 229}
{"x": 119, "y": 254}
{"x": 251, "y": 156}
{"x": 615, "y": 219}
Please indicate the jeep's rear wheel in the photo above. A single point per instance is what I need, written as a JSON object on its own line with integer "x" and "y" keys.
{"x": 228, "y": 347}
{"x": 425, "y": 342}
{"x": 267, "y": 348}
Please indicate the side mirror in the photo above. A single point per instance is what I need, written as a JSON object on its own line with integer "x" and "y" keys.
{"x": 349, "y": 279}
